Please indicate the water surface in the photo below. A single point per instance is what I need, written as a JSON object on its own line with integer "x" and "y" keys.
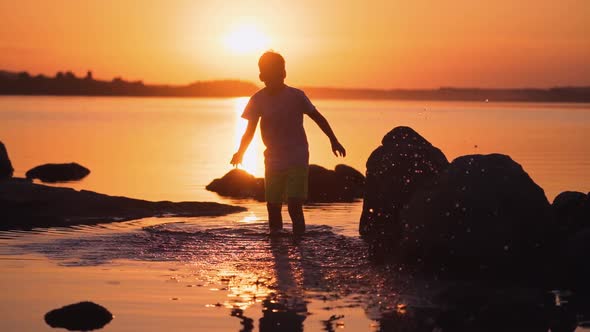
{"x": 216, "y": 273}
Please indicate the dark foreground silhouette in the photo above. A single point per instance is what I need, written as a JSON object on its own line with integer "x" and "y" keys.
{"x": 478, "y": 218}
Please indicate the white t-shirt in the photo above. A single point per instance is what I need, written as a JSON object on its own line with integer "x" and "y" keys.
{"x": 281, "y": 126}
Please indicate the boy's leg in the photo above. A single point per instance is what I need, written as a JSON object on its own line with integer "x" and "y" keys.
{"x": 275, "y": 219}
{"x": 297, "y": 193}
{"x": 274, "y": 190}
{"x": 296, "y": 214}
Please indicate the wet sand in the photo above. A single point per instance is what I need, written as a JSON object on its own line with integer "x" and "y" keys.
{"x": 184, "y": 275}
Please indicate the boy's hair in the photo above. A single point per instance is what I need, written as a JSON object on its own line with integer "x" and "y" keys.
{"x": 270, "y": 62}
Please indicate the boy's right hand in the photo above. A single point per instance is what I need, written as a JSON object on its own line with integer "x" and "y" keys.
{"x": 236, "y": 159}
{"x": 338, "y": 149}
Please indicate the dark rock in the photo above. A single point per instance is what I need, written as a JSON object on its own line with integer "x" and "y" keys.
{"x": 24, "y": 204}
{"x": 341, "y": 185}
{"x": 571, "y": 210}
{"x": 403, "y": 162}
{"x": 58, "y": 172}
{"x": 238, "y": 183}
{"x": 83, "y": 316}
{"x": 6, "y": 169}
{"x": 576, "y": 271}
{"x": 473, "y": 307}
{"x": 483, "y": 213}
{"x": 354, "y": 180}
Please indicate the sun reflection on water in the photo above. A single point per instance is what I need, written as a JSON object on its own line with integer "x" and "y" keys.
{"x": 250, "y": 218}
{"x": 250, "y": 160}
{"x": 245, "y": 288}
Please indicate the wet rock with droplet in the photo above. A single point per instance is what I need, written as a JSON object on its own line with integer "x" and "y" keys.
{"x": 403, "y": 162}
{"x": 469, "y": 222}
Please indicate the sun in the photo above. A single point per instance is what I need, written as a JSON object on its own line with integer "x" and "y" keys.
{"x": 246, "y": 39}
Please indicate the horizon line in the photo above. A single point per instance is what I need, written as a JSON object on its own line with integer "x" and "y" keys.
{"x": 442, "y": 87}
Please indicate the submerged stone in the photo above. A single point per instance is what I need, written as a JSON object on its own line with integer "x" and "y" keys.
{"x": 82, "y": 316}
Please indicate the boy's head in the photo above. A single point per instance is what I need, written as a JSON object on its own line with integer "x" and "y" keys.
{"x": 272, "y": 68}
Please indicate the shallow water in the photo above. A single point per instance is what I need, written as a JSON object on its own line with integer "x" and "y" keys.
{"x": 192, "y": 274}
{"x": 216, "y": 273}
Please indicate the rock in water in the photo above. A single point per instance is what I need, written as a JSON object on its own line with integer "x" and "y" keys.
{"x": 341, "y": 185}
{"x": 395, "y": 170}
{"x": 58, "y": 172}
{"x": 6, "y": 169}
{"x": 83, "y": 316}
{"x": 344, "y": 184}
{"x": 483, "y": 213}
{"x": 354, "y": 180}
{"x": 24, "y": 204}
{"x": 238, "y": 183}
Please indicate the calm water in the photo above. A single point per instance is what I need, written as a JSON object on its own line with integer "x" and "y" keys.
{"x": 192, "y": 273}
{"x": 164, "y": 148}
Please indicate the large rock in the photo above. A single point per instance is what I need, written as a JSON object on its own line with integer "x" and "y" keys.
{"x": 482, "y": 214}
{"x": 6, "y": 169}
{"x": 343, "y": 184}
{"x": 571, "y": 210}
{"x": 403, "y": 162}
{"x": 58, "y": 172}
{"x": 575, "y": 270}
{"x": 82, "y": 316}
{"x": 24, "y": 204}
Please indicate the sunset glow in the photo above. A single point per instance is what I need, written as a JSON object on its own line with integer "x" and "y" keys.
{"x": 387, "y": 44}
{"x": 246, "y": 40}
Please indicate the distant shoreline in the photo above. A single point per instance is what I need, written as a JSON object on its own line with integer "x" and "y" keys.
{"x": 67, "y": 84}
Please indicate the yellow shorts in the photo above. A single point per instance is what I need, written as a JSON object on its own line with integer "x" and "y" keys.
{"x": 282, "y": 185}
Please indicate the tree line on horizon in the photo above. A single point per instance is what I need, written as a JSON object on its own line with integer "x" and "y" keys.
{"x": 68, "y": 84}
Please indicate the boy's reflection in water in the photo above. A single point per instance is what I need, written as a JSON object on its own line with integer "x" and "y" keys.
{"x": 286, "y": 309}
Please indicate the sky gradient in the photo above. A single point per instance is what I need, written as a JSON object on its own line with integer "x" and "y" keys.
{"x": 376, "y": 44}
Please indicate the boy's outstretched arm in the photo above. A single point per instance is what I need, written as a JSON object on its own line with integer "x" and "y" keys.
{"x": 245, "y": 142}
{"x": 321, "y": 121}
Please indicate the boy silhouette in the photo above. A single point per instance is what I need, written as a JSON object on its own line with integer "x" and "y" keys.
{"x": 280, "y": 109}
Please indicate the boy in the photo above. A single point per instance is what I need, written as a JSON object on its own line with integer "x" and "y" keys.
{"x": 280, "y": 109}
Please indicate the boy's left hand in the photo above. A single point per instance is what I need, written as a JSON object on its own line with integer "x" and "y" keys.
{"x": 338, "y": 149}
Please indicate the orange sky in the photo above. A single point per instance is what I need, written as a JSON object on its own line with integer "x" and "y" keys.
{"x": 379, "y": 44}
